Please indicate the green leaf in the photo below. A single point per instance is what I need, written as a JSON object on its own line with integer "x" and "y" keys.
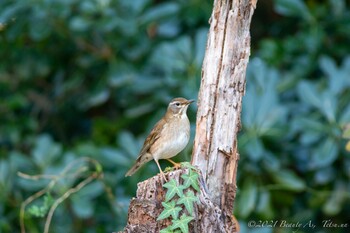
{"x": 41, "y": 211}
{"x": 168, "y": 169}
{"x": 309, "y": 94}
{"x": 191, "y": 179}
{"x": 345, "y": 116}
{"x": 93, "y": 190}
{"x": 160, "y": 12}
{"x": 247, "y": 198}
{"x": 264, "y": 204}
{"x": 188, "y": 165}
{"x": 5, "y": 180}
{"x": 46, "y": 150}
{"x": 167, "y": 230}
{"x": 329, "y": 105}
{"x": 325, "y": 153}
{"x": 99, "y": 168}
{"x": 48, "y": 201}
{"x": 289, "y": 180}
{"x": 111, "y": 157}
{"x": 87, "y": 149}
{"x": 79, "y": 24}
{"x": 256, "y": 149}
{"x": 39, "y": 27}
{"x": 200, "y": 43}
{"x": 336, "y": 201}
{"x": 170, "y": 209}
{"x": 292, "y": 8}
{"x": 9, "y": 13}
{"x": 139, "y": 110}
{"x": 128, "y": 142}
{"x": 97, "y": 99}
{"x": 310, "y": 126}
{"x": 173, "y": 188}
{"x": 188, "y": 200}
{"x": 36, "y": 211}
{"x": 328, "y": 66}
{"x": 338, "y": 78}
{"x": 182, "y": 223}
{"x": 83, "y": 207}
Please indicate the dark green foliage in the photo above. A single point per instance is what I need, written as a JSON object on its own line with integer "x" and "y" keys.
{"x": 90, "y": 78}
{"x": 294, "y": 165}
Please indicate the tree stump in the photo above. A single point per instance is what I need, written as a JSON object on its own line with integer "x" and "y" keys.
{"x": 146, "y": 207}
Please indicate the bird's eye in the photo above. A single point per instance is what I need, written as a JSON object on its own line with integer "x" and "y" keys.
{"x": 177, "y": 104}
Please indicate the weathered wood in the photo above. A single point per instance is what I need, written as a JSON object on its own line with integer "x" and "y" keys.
{"x": 218, "y": 122}
{"x": 220, "y": 98}
{"x": 146, "y": 207}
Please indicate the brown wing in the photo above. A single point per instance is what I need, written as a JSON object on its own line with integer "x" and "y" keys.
{"x": 152, "y": 137}
{"x": 144, "y": 156}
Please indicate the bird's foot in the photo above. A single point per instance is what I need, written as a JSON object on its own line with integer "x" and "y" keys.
{"x": 176, "y": 165}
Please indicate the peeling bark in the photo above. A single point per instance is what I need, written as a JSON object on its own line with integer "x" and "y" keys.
{"x": 218, "y": 123}
{"x": 220, "y": 98}
{"x": 146, "y": 207}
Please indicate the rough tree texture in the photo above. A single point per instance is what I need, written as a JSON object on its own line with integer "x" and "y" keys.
{"x": 220, "y": 98}
{"x": 218, "y": 122}
{"x": 145, "y": 208}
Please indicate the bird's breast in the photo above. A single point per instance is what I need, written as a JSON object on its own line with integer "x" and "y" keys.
{"x": 173, "y": 140}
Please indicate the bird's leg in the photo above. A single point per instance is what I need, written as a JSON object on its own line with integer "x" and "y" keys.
{"x": 176, "y": 165}
{"x": 160, "y": 169}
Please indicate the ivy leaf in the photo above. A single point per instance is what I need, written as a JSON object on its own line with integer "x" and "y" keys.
{"x": 41, "y": 211}
{"x": 191, "y": 179}
{"x": 188, "y": 165}
{"x": 188, "y": 200}
{"x": 173, "y": 188}
{"x": 166, "y": 230}
{"x": 182, "y": 223}
{"x": 168, "y": 169}
{"x": 169, "y": 209}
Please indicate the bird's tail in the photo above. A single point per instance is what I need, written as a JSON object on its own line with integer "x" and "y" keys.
{"x": 141, "y": 160}
{"x": 134, "y": 169}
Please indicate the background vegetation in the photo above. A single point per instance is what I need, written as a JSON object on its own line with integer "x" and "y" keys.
{"x": 90, "y": 78}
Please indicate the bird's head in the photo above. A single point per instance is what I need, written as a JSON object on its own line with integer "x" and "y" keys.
{"x": 178, "y": 107}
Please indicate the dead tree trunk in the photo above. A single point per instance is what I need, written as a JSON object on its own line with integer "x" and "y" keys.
{"x": 220, "y": 98}
{"x": 218, "y": 122}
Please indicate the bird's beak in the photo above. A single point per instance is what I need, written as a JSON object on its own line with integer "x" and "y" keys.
{"x": 190, "y": 101}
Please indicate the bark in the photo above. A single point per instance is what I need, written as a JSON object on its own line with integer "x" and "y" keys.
{"x": 146, "y": 207}
{"x": 220, "y": 98}
{"x": 218, "y": 122}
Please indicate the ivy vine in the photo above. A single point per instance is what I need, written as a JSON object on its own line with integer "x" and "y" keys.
{"x": 179, "y": 198}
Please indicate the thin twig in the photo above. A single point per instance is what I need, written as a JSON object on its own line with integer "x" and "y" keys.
{"x": 36, "y": 177}
{"x": 64, "y": 197}
{"x": 54, "y": 179}
{"x": 30, "y": 199}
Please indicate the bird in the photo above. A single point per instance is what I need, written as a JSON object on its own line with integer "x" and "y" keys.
{"x": 169, "y": 136}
